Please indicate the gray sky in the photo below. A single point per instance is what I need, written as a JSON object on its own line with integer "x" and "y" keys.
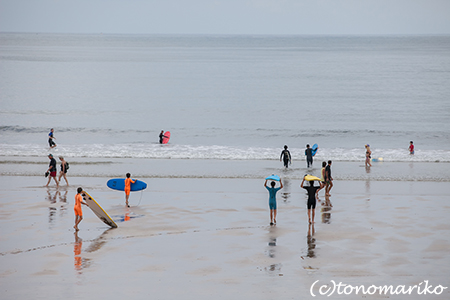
{"x": 227, "y": 16}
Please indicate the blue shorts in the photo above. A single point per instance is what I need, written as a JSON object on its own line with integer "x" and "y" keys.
{"x": 272, "y": 204}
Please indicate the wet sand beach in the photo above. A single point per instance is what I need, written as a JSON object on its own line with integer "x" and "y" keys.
{"x": 192, "y": 238}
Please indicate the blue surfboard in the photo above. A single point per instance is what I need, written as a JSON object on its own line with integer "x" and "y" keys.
{"x": 119, "y": 184}
{"x": 273, "y": 177}
{"x": 315, "y": 147}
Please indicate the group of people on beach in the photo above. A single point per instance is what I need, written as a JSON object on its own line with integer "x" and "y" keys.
{"x": 51, "y": 171}
{"x": 326, "y": 181}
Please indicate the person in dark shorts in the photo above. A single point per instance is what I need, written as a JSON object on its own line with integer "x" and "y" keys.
{"x": 161, "y": 136}
{"x": 309, "y": 156}
{"x": 286, "y": 156}
{"x": 51, "y": 171}
{"x": 51, "y": 143}
{"x": 328, "y": 179}
{"x": 312, "y": 192}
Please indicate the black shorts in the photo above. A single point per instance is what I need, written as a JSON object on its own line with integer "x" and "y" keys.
{"x": 312, "y": 204}
{"x": 51, "y": 142}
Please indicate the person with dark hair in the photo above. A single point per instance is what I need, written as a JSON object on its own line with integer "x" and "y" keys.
{"x": 309, "y": 156}
{"x": 312, "y": 192}
{"x": 411, "y": 148}
{"x": 51, "y": 138}
{"x": 128, "y": 182}
{"x": 51, "y": 171}
{"x": 273, "y": 200}
{"x": 286, "y": 156}
{"x": 77, "y": 208}
{"x": 328, "y": 179}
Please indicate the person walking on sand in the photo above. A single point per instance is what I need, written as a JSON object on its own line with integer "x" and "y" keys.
{"x": 51, "y": 138}
{"x": 368, "y": 155}
{"x": 311, "y": 205}
{"x": 328, "y": 179}
{"x": 128, "y": 182}
{"x": 64, "y": 168}
{"x": 77, "y": 208}
{"x": 286, "y": 156}
{"x": 51, "y": 171}
{"x": 411, "y": 148}
{"x": 322, "y": 176}
{"x": 273, "y": 200}
{"x": 309, "y": 156}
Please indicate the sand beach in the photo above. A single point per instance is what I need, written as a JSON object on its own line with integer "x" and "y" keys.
{"x": 203, "y": 238}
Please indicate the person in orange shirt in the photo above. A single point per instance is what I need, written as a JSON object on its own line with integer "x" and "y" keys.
{"x": 77, "y": 208}
{"x": 128, "y": 182}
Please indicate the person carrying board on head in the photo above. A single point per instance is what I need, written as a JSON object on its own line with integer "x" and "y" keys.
{"x": 312, "y": 194}
{"x": 286, "y": 156}
{"x": 273, "y": 200}
{"x": 128, "y": 182}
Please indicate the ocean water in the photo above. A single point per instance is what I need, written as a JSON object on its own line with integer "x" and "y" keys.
{"x": 224, "y": 98}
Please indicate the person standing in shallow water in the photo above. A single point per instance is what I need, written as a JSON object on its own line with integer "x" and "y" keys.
{"x": 273, "y": 200}
{"x": 51, "y": 138}
{"x": 411, "y": 148}
{"x": 309, "y": 156}
{"x": 286, "y": 156}
{"x": 368, "y": 155}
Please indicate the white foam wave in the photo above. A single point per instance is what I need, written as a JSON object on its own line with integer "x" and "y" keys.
{"x": 156, "y": 151}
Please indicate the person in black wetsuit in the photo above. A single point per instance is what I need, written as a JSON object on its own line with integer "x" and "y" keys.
{"x": 312, "y": 193}
{"x": 161, "y": 135}
{"x": 286, "y": 156}
{"x": 309, "y": 156}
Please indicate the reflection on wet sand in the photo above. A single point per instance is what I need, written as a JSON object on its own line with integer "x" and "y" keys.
{"x": 80, "y": 262}
{"x": 286, "y": 191}
{"x": 311, "y": 241}
{"x": 271, "y": 251}
{"x": 326, "y": 210}
{"x": 53, "y": 209}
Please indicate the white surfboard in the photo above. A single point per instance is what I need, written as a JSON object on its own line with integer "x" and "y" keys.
{"x": 98, "y": 210}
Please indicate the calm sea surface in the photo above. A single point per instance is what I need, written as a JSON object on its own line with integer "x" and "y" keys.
{"x": 225, "y": 97}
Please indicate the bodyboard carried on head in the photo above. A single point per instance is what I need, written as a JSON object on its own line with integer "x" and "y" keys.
{"x": 98, "y": 210}
{"x": 314, "y": 149}
{"x": 166, "y": 137}
{"x": 312, "y": 178}
{"x": 119, "y": 184}
{"x": 273, "y": 177}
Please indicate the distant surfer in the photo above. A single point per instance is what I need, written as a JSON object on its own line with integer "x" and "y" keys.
{"x": 309, "y": 156}
{"x": 51, "y": 138}
{"x": 286, "y": 156}
{"x": 128, "y": 182}
{"x": 312, "y": 194}
{"x": 368, "y": 155}
{"x": 51, "y": 171}
{"x": 273, "y": 200}
{"x": 161, "y": 136}
{"x": 64, "y": 168}
{"x": 411, "y": 148}
{"x": 328, "y": 179}
{"x": 77, "y": 208}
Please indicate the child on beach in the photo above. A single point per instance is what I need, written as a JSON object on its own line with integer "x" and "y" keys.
{"x": 286, "y": 156}
{"x": 128, "y": 182}
{"x": 273, "y": 200}
{"x": 411, "y": 148}
{"x": 312, "y": 190}
{"x": 77, "y": 208}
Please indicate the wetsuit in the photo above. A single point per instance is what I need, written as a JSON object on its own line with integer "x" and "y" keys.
{"x": 286, "y": 155}
{"x": 77, "y": 206}
{"x": 311, "y": 196}
{"x": 50, "y": 139}
{"x": 309, "y": 157}
{"x": 128, "y": 182}
{"x": 272, "y": 197}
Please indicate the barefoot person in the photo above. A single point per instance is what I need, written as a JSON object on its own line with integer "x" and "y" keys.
{"x": 312, "y": 191}
{"x": 273, "y": 200}
{"x": 286, "y": 156}
{"x": 77, "y": 208}
{"x": 51, "y": 138}
{"x": 368, "y": 155}
{"x": 51, "y": 171}
{"x": 328, "y": 179}
{"x": 411, "y": 148}
{"x": 309, "y": 156}
{"x": 128, "y": 182}
{"x": 63, "y": 172}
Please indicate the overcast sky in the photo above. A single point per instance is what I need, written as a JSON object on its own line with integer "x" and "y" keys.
{"x": 227, "y": 16}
